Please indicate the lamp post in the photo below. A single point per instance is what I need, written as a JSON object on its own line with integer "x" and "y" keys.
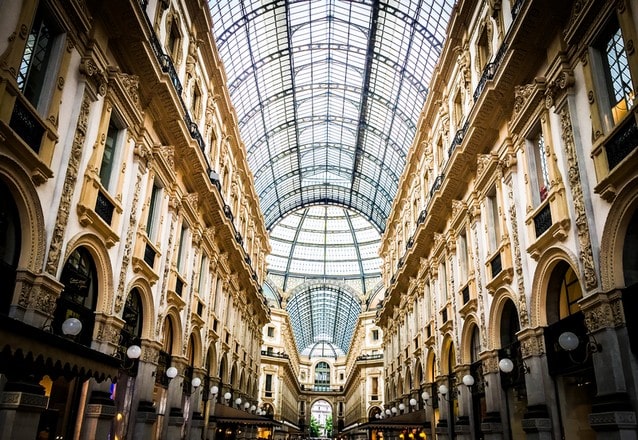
{"x": 214, "y": 390}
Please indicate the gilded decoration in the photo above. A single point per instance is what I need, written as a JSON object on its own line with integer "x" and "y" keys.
{"x": 70, "y": 179}
{"x": 582, "y": 226}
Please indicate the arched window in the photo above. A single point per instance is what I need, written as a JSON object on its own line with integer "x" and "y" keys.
{"x": 133, "y": 319}
{"x": 10, "y": 240}
{"x": 79, "y": 295}
{"x": 322, "y": 376}
{"x": 131, "y": 333}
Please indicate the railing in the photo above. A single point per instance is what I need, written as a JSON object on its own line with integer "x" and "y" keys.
{"x": 149, "y": 255}
{"x": 496, "y": 265}
{"x": 278, "y": 354}
{"x": 458, "y": 139}
{"x": 26, "y": 125}
{"x": 465, "y": 294}
{"x": 437, "y": 184}
{"x": 517, "y": 8}
{"x": 622, "y": 142}
{"x": 228, "y": 212}
{"x": 179, "y": 286}
{"x": 370, "y": 357}
{"x": 422, "y": 216}
{"x": 489, "y": 71}
{"x": 542, "y": 220}
{"x": 104, "y": 208}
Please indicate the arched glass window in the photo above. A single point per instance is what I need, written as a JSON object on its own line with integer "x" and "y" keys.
{"x": 133, "y": 319}
{"x": 79, "y": 295}
{"x": 10, "y": 238}
{"x": 322, "y": 377}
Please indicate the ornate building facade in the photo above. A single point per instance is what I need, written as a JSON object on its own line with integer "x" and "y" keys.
{"x": 508, "y": 261}
{"x": 133, "y": 248}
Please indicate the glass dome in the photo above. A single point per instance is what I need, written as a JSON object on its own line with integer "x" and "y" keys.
{"x": 328, "y": 243}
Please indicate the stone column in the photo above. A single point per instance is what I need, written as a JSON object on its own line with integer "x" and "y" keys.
{"x": 538, "y": 423}
{"x": 613, "y": 416}
{"x": 98, "y": 416}
{"x": 463, "y": 428}
{"x": 492, "y": 424}
{"x": 143, "y": 414}
{"x": 174, "y": 407}
{"x": 37, "y": 298}
{"x": 21, "y": 404}
{"x": 443, "y": 426}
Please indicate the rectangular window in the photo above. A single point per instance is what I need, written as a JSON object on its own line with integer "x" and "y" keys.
{"x": 493, "y": 224}
{"x": 181, "y": 250}
{"x": 443, "y": 283}
{"x": 268, "y": 385}
{"x": 109, "y": 157}
{"x": 540, "y": 170}
{"x": 462, "y": 257}
{"x": 375, "y": 335}
{"x": 203, "y": 274}
{"x": 271, "y": 331}
{"x": 614, "y": 81}
{"x": 152, "y": 222}
{"x": 173, "y": 41}
{"x": 40, "y": 60}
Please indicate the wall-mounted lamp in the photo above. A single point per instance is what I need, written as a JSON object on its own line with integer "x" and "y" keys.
{"x": 195, "y": 383}
{"x": 506, "y": 365}
{"x": 238, "y": 401}
{"x": 127, "y": 363}
{"x": 413, "y": 402}
{"x": 214, "y": 390}
{"x": 71, "y": 327}
{"x": 401, "y": 407}
{"x": 246, "y": 406}
{"x": 468, "y": 380}
{"x": 443, "y": 391}
{"x": 171, "y": 372}
{"x": 426, "y": 398}
{"x": 253, "y": 408}
{"x": 394, "y": 410}
{"x": 569, "y": 342}
{"x": 227, "y": 397}
{"x": 388, "y": 412}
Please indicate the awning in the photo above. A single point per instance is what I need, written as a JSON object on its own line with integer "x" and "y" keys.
{"x": 414, "y": 419}
{"x": 27, "y": 349}
{"x": 234, "y": 416}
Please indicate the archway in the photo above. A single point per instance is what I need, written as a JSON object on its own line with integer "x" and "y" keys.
{"x": 321, "y": 423}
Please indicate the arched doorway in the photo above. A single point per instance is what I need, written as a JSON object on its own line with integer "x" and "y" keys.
{"x": 479, "y": 406}
{"x": 573, "y": 369}
{"x": 10, "y": 242}
{"x": 512, "y": 370}
{"x": 321, "y": 422}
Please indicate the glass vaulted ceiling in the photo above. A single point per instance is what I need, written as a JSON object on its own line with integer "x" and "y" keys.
{"x": 328, "y": 95}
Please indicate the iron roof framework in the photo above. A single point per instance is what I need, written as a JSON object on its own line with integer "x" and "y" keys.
{"x": 328, "y": 95}
{"x": 325, "y": 315}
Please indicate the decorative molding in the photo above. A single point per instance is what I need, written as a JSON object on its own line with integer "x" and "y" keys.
{"x": 70, "y": 180}
{"x": 128, "y": 246}
{"x": 582, "y": 226}
{"x": 518, "y": 264}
